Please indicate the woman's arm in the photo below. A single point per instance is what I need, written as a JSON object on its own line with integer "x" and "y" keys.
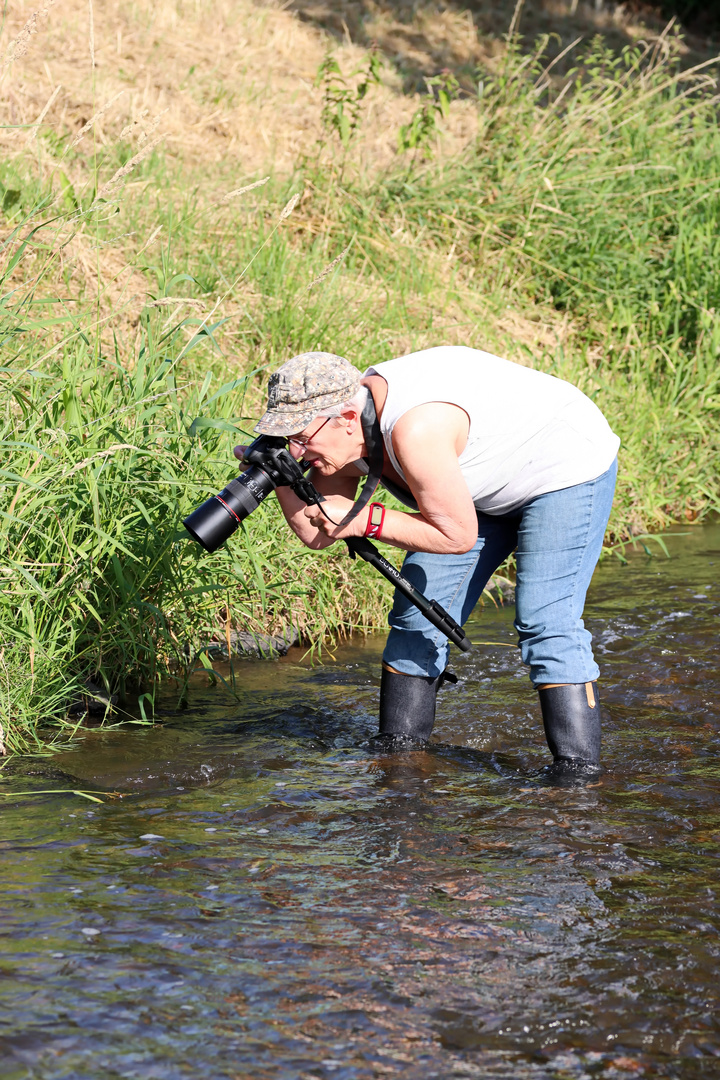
{"x": 342, "y": 484}
{"x": 427, "y": 441}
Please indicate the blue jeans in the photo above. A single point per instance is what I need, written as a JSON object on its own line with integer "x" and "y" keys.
{"x": 557, "y": 539}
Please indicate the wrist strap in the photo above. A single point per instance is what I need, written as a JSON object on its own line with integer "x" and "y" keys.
{"x": 376, "y": 517}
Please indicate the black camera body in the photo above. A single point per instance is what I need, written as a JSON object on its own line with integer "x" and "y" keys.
{"x": 271, "y": 466}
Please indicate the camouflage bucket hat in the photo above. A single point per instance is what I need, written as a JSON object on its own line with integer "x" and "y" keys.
{"x": 305, "y": 386}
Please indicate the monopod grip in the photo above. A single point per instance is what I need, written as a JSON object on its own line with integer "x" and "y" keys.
{"x": 432, "y": 611}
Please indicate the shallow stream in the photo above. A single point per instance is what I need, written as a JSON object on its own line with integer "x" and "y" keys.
{"x": 270, "y": 899}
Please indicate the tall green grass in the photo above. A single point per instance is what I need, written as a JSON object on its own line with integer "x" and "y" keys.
{"x": 105, "y": 449}
{"x": 590, "y": 204}
{"x": 595, "y": 197}
{"x": 605, "y": 189}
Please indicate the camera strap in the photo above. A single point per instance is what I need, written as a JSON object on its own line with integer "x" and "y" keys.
{"x": 376, "y": 457}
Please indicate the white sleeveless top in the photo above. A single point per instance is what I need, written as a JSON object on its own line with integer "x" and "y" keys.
{"x": 530, "y": 433}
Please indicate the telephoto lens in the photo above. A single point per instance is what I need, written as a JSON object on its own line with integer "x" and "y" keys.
{"x": 218, "y": 518}
{"x": 270, "y": 466}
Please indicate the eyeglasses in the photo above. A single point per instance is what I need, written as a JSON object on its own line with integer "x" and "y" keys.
{"x": 303, "y": 440}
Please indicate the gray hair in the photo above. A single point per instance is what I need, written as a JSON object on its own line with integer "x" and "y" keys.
{"x": 357, "y": 401}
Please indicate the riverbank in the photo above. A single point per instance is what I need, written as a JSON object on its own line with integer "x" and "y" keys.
{"x": 168, "y": 240}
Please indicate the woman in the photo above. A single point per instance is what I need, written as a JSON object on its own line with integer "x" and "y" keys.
{"x": 490, "y": 457}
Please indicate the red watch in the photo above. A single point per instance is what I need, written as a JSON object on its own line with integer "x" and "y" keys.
{"x": 375, "y": 521}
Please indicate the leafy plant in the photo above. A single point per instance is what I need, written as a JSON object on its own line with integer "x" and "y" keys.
{"x": 342, "y": 101}
{"x": 425, "y": 125}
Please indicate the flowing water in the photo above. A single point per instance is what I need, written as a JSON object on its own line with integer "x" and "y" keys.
{"x": 271, "y": 899}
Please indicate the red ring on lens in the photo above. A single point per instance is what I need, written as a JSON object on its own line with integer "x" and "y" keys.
{"x": 229, "y": 509}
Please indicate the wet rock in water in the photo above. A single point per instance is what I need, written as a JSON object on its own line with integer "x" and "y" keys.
{"x": 93, "y": 701}
{"x": 46, "y": 772}
{"x": 244, "y": 643}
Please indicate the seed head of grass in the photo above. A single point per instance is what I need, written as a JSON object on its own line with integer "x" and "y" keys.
{"x": 241, "y": 191}
{"x": 109, "y": 187}
{"x": 20, "y": 45}
{"x": 91, "y": 33}
{"x": 43, "y": 114}
{"x": 290, "y": 206}
{"x": 329, "y": 268}
{"x": 130, "y": 128}
{"x": 94, "y": 119}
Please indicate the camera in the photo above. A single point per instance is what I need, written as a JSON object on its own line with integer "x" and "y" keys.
{"x": 271, "y": 465}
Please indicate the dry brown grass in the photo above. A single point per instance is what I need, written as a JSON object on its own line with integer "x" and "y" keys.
{"x": 228, "y": 80}
{"x": 423, "y": 39}
{"x": 227, "y": 86}
{"x": 233, "y": 81}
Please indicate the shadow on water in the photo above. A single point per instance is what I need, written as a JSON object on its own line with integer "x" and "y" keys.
{"x": 269, "y": 899}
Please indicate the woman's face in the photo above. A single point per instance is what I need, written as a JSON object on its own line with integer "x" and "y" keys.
{"x": 326, "y": 443}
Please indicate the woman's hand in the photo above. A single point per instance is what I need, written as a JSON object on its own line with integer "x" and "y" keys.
{"x": 239, "y": 451}
{"x": 336, "y": 507}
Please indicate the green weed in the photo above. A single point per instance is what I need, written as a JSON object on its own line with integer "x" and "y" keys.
{"x": 424, "y": 126}
{"x": 343, "y": 100}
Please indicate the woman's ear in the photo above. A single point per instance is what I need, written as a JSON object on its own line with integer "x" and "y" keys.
{"x": 351, "y": 418}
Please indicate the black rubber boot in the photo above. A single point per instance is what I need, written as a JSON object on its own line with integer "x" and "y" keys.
{"x": 407, "y": 707}
{"x": 572, "y": 730}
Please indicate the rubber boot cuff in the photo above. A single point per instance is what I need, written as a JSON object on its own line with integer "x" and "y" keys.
{"x": 407, "y": 707}
{"x": 571, "y": 717}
